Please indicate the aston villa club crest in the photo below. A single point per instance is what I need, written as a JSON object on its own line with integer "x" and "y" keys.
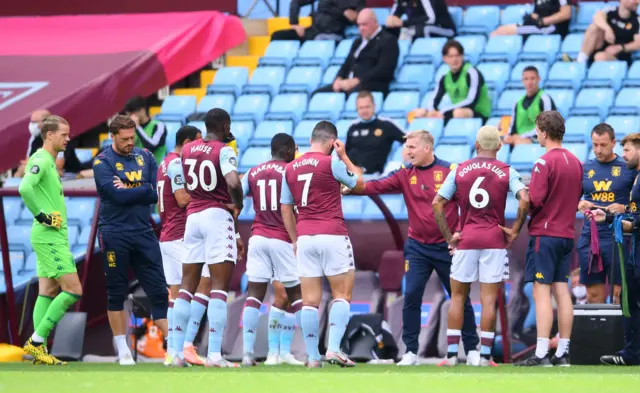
{"x": 615, "y": 171}
{"x": 140, "y": 160}
{"x": 438, "y": 176}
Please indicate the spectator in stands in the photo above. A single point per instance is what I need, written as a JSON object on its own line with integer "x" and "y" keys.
{"x": 328, "y": 22}
{"x": 369, "y": 139}
{"x": 371, "y": 62}
{"x": 548, "y": 17}
{"x": 150, "y": 134}
{"x": 35, "y": 140}
{"x": 425, "y": 18}
{"x": 463, "y": 84}
{"x": 522, "y": 128}
{"x": 613, "y": 35}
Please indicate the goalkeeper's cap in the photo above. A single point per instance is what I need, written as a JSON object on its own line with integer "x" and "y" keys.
{"x": 489, "y": 138}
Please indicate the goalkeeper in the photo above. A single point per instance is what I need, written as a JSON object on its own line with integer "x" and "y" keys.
{"x": 41, "y": 191}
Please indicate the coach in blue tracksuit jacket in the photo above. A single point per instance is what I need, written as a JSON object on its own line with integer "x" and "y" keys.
{"x": 125, "y": 179}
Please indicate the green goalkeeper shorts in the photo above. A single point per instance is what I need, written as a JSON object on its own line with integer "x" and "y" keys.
{"x": 53, "y": 260}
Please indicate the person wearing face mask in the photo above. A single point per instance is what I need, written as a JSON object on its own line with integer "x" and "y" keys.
{"x": 369, "y": 138}
{"x": 35, "y": 140}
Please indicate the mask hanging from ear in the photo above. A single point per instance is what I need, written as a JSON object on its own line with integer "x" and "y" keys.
{"x": 34, "y": 130}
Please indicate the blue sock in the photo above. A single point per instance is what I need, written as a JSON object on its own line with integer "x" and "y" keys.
{"x": 170, "y": 350}
{"x": 288, "y": 329}
{"x": 250, "y": 319}
{"x": 275, "y": 329}
{"x": 217, "y": 313}
{"x": 310, "y": 327}
{"x": 338, "y": 319}
{"x": 181, "y": 312}
{"x": 198, "y": 308}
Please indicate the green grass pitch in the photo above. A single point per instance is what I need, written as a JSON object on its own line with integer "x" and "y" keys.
{"x": 147, "y": 378}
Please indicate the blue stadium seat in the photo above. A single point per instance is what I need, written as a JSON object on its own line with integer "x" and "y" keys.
{"x": 456, "y": 14}
{"x": 494, "y": 121}
{"x": 563, "y": 98}
{"x": 251, "y": 107}
{"x": 403, "y": 50}
{"x": 247, "y": 212}
{"x": 315, "y": 53}
{"x": 222, "y": 101}
{"x": 413, "y": 77}
{"x": 172, "y": 130}
{"x": 426, "y": 50}
{"x": 229, "y": 80}
{"x": 515, "y": 81}
{"x": 434, "y": 126}
{"x": 473, "y": 46}
{"x": 19, "y": 238}
{"x": 325, "y": 106}
{"x": 12, "y": 182}
{"x": 593, "y": 102}
{"x": 623, "y": 125}
{"x": 199, "y": 125}
{"x": 302, "y": 132}
{"x": 627, "y": 102}
{"x": 633, "y": 76}
{"x": 350, "y": 107}
{"x": 585, "y": 15}
{"x": 513, "y": 14}
{"x": 524, "y": 156}
{"x": 440, "y": 72}
{"x": 343, "y": 127}
{"x": 80, "y": 211}
{"x": 73, "y": 233}
{"x": 606, "y": 74}
{"x": 579, "y": 150}
{"x": 254, "y": 156}
{"x": 461, "y": 131}
{"x": 401, "y": 122}
{"x": 177, "y": 108}
{"x": 453, "y": 153}
{"x": 243, "y": 131}
{"x": 16, "y": 260}
{"x": 505, "y": 104}
{"x": 566, "y": 75}
{"x": 578, "y": 128}
{"x": 287, "y": 106}
{"x": 330, "y": 75}
{"x": 352, "y": 207}
{"x": 480, "y": 20}
{"x": 381, "y": 14}
{"x": 503, "y": 153}
{"x": 511, "y": 209}
{"x": 400, "y": 103}
{"x": 279, "y": 53}
{"x": 267, "y": 129}
{"x": 395, "y": 204}
{"x": 495, "y": 74}
{"x": 12, "y": 208}
{"x": 541, "y": 48}
{"x": 503, "y": 48}
{"x": 342, "y": 51}
{"x": 571, "y": 45}
{"x": 25, "y": 217}
{"x": 83, "y": 239}
{"x": 265, "y": 80}
{"x": 84, "y": 155}
{"x": 352, "y": 32}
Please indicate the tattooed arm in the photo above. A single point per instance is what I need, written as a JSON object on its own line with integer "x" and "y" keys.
{"x": 438, "y": 211}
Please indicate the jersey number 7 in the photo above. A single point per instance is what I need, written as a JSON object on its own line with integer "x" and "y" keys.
{"x": 306, "y": 178}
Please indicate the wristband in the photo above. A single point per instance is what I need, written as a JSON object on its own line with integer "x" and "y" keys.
{"x": 622, "y": 46}
{"x": 610, "y": 217}
{"x": 42, "y": 218}
{"x": 238, "y": 235}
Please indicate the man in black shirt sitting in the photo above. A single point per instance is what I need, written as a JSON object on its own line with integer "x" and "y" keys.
{"x": 548, "y": 17}
{"x": 425, "y": 18}
{"x": 369, "y": 139}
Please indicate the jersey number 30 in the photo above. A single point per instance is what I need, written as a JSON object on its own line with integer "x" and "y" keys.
{"x": 478, "y": 197}
{"x": 199, "y": 180}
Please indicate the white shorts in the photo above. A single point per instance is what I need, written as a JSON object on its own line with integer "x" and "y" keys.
{"x": 210, "y": 237}
{"x": 173, "y": 253}
{"x": 271, "y": 259}
{"x": 324, "y": 255}
{"x": 488, "y": 266}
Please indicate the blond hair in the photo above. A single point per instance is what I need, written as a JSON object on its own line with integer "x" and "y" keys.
{"x": 51, "y": 123}
{"x": 488, "y": 138}
{"x": 424, "y": 136}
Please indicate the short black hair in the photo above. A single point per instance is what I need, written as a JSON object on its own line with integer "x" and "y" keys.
{"x": 324, "y": 131}
{"x": 452, "y": 44}
{"x": 135, "y": 104}
{"x": 186, "y": 132}
{"x": 604, "y": 128}
{"x": 281, "y": 143}
{"x": 215, "y": 118}
{"x": 532, "y": 69}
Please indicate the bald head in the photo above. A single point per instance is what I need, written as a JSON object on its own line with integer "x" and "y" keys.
{"x": 367, "y": 22}
{"x": 38, "y": 115}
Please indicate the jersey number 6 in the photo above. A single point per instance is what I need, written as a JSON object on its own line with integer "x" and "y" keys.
{"x": 475, "y": 192}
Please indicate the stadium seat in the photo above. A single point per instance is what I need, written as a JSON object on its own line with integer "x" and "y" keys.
{"x": 352, "y": 207}
{"x": 461, "y": 131}
{"x": 302, "y": 132}
{"x": 177, "y": 108}
{"x": 343, "y": 128}
{"x": 287, "y": 106}
{"x": 513, "y": 14}
{"x": 503, "y": 48}
{"x": 503, "y": 153}
{"x": 434, "y": 126}
{"x": 627, "y": 102}
{"x": 325, "y": 106}
{"x": 342, "y": 51}
{"x": 571, "y": 45}
{"x": 524, "y": 156}
{"x": 83, "y": 239}
{"x": 400, "y": 103}
{"x": 243, "y": 131}
{"x": 541, "y": 48}
{"x": 222, "y": 101}
{"x": 566, "y": 75}
{"x": 584, "y": 16}
{"x": 80, "y": 211}
{"x": 251, "y": 107}
{"x": 279, "y": 53}
{"x": 19, "y": 238}
{"x": 229, "y": 80}
{"x": 495, "y": 74}
{"x": 12, "y": 208}
{"x": 403, "y": 50}
{"x": 395, "y": 204}
{"x": 473, "y": 46}
{"x": 579, "y": 150}
{"x": 623, "y": 125}
{"x": 73, "y": 233}
{"x": 199, "y": 125}
{"x": 267, "y": 129}
{"x": 456, "y": 15}
{"x": 254, "y": 156}
{"x": 494, "y": 121}
{"x": 633, "y": 76}
{"x": 84, "y": 155}
{"x": 265, "y": 80}
{"x": 578, "y": 128}
{"x": 593, "y": 102}
{"x": 606, "y": 74}
{"x": 453, "y": 153}
{"x": 382, "y": 13}
{"x": 330, "y": 75}
{"x": 413, "y": 77}
{"x": 315, "y": 53}
{"x": 247, "y": 213}
{"x": 480, "y": 20}
{"x": 426, "y": 50}
{"x": 515, "y": 80}
{"x": 172, "y": 129}
{"x": 505, "y": 104}
{"x": 563, "y": 98}
{"x": 350, "y": 107}
{"x": 25, "y": 217}
{"x": 352, "y": 32}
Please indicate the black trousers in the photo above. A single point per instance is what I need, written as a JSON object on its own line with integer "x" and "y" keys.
{"x": 291, "y": 35}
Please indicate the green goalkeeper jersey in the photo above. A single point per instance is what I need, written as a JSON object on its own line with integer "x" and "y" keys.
{"x": 41, "y": 191}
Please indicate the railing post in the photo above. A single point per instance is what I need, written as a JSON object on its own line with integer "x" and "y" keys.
{"x": 8, "y": 279}
{"x": 90, "y": 249}
{"x": 504, "y": 322}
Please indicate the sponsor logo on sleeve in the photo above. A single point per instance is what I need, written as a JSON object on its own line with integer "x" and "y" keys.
{"x": 35, "y": 169}
{"x": 233, "y": 161}
{"x": 178, "y": 180}
{"x": 350, "y": 174}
